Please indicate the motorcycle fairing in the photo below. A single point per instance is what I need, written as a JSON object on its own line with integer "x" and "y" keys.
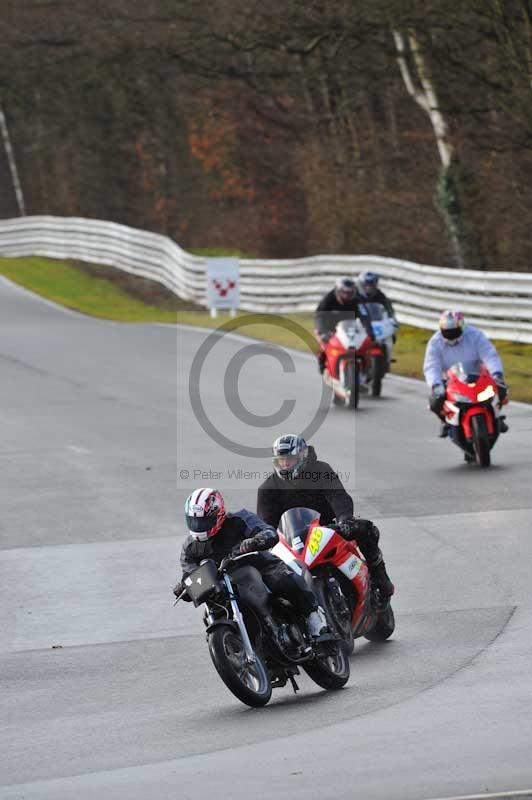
{"x": 285, "y": 554}
{"x": 351, "y": 566}
{"x": 318, "y": 539}
{"x": 470, "y": 390}
{"x": 473, "y": 412}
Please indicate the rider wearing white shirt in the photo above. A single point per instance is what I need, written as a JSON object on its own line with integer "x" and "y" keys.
{"x": 457, "y": 342}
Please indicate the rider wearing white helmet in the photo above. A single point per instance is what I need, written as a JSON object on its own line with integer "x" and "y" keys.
{"x": 454, "y": 341}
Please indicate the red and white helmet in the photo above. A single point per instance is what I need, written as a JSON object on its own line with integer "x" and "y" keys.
{"x": 452, "y": 326}
{"x": 205, "y": 513}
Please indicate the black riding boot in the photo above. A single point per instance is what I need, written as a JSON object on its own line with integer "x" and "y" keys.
{"x": 379, "y": 577}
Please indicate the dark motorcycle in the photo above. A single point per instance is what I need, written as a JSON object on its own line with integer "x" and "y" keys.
{"x": 257, "y": 640}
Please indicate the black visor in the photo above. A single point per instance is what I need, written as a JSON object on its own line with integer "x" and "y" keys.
{"x": 201, "y": 524}
{"x": 452, "y": 334}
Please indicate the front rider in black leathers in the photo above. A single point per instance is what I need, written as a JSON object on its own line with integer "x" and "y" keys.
{"x": 300, "y": 480}
{"x": 214, "y": 533}
{"x": 338, "y": 304}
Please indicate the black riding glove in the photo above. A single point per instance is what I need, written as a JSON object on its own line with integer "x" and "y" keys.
{"x": 502, "y": 389}
{"x": 257, "y": 542}
{"x": 353, "y": 528}
{"x": 178, "y": 588}
{"x": 437, "y": 398}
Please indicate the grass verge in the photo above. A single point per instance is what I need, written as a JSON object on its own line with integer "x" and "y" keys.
{"x": 112, "y": 294}
{"x": 89, "y": 289}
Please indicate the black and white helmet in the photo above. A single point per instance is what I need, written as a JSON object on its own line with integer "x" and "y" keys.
{"x": 289, "y": 455}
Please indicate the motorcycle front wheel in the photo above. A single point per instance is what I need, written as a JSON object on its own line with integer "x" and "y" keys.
{"x": 330, "y": 671}
{"x": 339, "y": 613}
{"x": 481, "y": 441}
{"x": 249, "y": 681}
{"x": 352, "y": 384}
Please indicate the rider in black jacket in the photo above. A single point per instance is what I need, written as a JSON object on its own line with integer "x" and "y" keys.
{"x": 368, "y": 292}
{"x": 300, "y": 480}
{"x": 338, "y": 304}
{"x": 214, "y": 533}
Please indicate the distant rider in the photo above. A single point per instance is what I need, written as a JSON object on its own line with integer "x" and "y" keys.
{"x": 368, "y": 292}
{"x": 300, "y": 480}
{"x": 215, "y": 533}
{"x": 454, "y": 342}
{"x": 338, "y": 304}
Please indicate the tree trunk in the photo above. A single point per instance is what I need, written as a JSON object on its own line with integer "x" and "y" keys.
{"x": 452, "y": 183}
{"x": 12, "y": 164}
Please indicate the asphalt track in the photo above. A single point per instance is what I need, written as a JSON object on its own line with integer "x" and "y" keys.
{"x": 107, "y": 691}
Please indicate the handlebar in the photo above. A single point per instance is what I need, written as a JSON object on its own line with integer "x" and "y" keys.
{"x": 180, "y": 597}
{"x": 227, "y": 561}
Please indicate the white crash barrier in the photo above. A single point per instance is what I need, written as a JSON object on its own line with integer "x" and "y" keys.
{"x": 498, "y": 302}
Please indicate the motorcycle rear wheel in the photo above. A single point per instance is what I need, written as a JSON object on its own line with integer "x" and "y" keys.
{"x": 249, "y": 682}
{"x": 481, "y": 442}
{"x": 378, "y": 368}
{"x": 332, "y": 671}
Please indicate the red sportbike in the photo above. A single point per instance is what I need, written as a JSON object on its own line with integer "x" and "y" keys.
{"x": 344, "y": 354}
{"x": 472, "y": 410}
{"x": 340, "y": 576}
{"x": 355, "y": 361}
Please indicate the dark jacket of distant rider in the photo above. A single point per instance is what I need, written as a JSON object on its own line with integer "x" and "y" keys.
{"x": 368, "y": 292}
{"x": 339, "y": 304}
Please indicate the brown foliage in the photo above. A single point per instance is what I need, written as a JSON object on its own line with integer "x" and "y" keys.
{"x": 281, "y": 130}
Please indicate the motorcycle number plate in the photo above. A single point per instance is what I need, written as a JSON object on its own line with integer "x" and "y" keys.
{"x": 316, "y": 542}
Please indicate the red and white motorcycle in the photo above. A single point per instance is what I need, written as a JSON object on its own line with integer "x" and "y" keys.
{"x": 342, "y": 354}
{"x": 472, "y": 410}
{"x": 340, "y": 577}
{"x": 354, "y": 361}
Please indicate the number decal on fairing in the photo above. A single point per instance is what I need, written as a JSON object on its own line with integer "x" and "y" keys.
{"x": 314, "y": 541}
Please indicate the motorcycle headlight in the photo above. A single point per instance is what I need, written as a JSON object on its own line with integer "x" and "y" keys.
{"x": 486, "y": 394}
{"x": 462, "y": 398}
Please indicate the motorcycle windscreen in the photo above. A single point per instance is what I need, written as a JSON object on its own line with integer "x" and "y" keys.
{"x": 200, "y": 583}
{"x": 295, "y": 524}
{"x": 466, "y": 371}
{"x": 376, "y": 311}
